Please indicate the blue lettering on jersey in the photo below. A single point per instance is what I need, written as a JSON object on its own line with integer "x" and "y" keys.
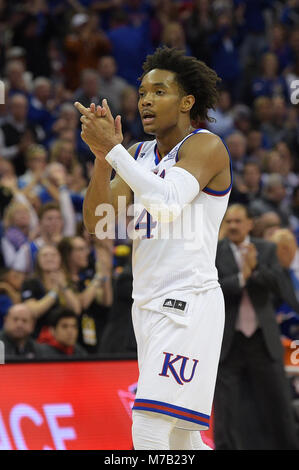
{"x": 169, "y": 366}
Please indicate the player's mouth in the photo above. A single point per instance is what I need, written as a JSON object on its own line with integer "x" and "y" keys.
{"x": 148, "y": 117}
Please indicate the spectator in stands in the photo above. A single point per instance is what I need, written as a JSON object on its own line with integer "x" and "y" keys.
{"x": 54, "y": 189}
{"x": 93, "y": 287}
{"x": 279, "y": 46}
{"x": 130, "y": 45}
{"x": 252, "y": 18}
{"x": 262, "y": 117}
{"x": 111, "y": 86}
{"x": 84, "y": 45}
{"x": 276, "y": 131}
{"x": 32, "y": 31}
{"x": 242, "y": 118}
{"x": 47, "y": 289}
{"x": 249, "y": 186}
{"x": 269, "y": 83}
{"x": 64, "y": 335}
{"x": 281, "y": 161}
{"x": 16, "y": 334}
{"x": 236, "y": 143}
{"x": 174, "y": 36}
{"x": 287, "y": 156}
{"x": 224, "y": 44}
{"x": 67, "y": 120}
{"x": 17, "y": 132}
{"x": 118, "y": 335}
{"x": 272, "y": 199}
{"x": 16, "y": 82}
{"x": 165, "y": 12}
{"x": 266, "y": 225}
{"x": 10, "y": 290}
{"x": 89, "y": 88}
{"x": 54, "y": 223}
{"x": 41, "y": 106}
{"x": 224, "y": 121}
{"x": 15, "y": 241}
{"x": 249, "y": 274}
{"x": 131, "y": 123}
{"x": 288, "y": 255}
{"x": 198, "y": 27}
{"x": 62, "y": 151}
{"x": 66, "y": 128}
{"x": 36, "y": 161}
{"x": 255, "y": 145}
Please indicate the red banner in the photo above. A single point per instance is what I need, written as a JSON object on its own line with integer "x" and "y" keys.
{"x": 68, "y": 405}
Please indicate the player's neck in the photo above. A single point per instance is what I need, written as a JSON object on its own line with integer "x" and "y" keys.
{"x": 166, "y": 141}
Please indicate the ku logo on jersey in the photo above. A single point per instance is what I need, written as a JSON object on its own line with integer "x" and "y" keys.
{"x": 176, "y": 366}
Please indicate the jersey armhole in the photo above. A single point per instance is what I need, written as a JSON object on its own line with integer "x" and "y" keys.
{"x": 138, "y": 150}
{"x": 214, "y": 192}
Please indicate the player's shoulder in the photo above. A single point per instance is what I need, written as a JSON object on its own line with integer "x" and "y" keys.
{"x": 136, "y": 148}
{"x": 205, "y": 138}
{"x": 133, "y": 148}
{"x": 206, "y": 142}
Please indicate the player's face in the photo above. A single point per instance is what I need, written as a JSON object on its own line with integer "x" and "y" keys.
{"x": 159, "y": 101}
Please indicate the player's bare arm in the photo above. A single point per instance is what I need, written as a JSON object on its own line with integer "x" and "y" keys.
{"x": 101, "y": 135}
{"x": 206, "y": 158}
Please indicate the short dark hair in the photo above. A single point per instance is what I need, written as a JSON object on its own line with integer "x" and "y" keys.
{"x": 193, "y": 76}
{"x": 247, "y": 210}
{"x": 49, "y": 206}
{"x": 60, "y": 313}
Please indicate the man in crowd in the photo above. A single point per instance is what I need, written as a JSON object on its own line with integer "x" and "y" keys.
{"x": 249, "y": 272}
{"x": 16, "y": 334}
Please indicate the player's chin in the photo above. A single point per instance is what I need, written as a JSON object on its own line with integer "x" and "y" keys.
{"x": 149, "y": 129}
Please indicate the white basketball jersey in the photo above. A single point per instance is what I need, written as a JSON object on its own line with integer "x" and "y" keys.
{"x": 179, "y": 255}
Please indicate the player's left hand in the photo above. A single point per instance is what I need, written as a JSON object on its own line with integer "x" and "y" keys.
{"x": 100, "y": 130}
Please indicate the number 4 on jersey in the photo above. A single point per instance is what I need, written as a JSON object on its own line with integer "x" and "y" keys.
{"x": 148, "y": 225}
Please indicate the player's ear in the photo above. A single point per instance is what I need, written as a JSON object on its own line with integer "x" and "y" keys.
{"x": 186, "y": 103}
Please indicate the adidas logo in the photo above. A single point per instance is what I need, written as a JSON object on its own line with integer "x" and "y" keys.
{"x": 176, "y": 304}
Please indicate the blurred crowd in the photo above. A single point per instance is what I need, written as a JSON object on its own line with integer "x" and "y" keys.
{"x": 60, "y": 287}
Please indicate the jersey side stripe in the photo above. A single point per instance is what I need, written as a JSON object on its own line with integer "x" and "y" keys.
{"x": 172, "y": 410}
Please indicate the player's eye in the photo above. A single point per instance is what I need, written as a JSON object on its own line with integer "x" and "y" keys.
{"x": 160, "y": 92}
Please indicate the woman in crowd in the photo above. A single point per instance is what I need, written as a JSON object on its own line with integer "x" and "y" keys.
{"x": 47, "y": 290}
{"x": 93, "y": 286}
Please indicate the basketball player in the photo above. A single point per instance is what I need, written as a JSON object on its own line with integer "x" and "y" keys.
{"x": 178, "y": 309}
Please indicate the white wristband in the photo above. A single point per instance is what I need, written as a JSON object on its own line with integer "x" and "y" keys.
{"x": 164, "y": 198}
{"x": 53, "y": 294}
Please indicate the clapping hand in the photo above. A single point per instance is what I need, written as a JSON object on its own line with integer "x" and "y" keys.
{"x": 100, "y": 130}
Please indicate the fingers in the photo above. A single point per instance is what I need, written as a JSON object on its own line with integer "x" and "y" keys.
{"x": 117, "y": 125}
{"x": 82, "y": 109}
{"x": 106, "y": 107}
{"x": 101, "y": 112}
{"x": 84, "y": 119}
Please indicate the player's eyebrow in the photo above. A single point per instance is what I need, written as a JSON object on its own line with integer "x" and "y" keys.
{"x": 156, "y": 84}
